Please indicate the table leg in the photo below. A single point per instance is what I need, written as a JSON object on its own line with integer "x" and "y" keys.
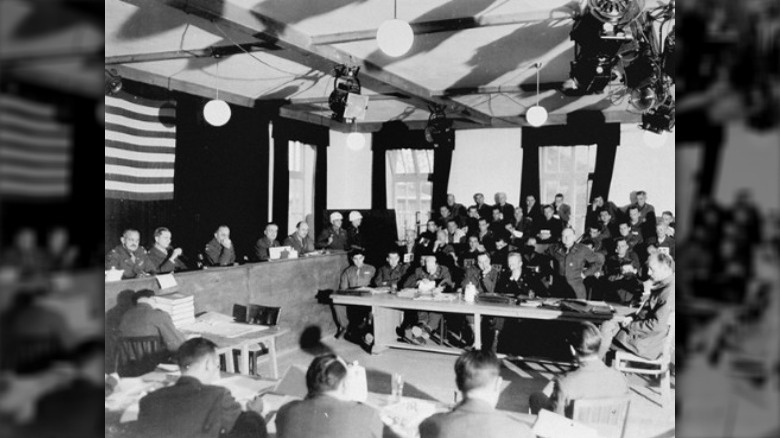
{"x": 243, "y": 364}
{"x": 272, "y": 354}
{"x": 385, "y": 322}
{"x": 230, "y": 366}
{"x": 477, "y": 331}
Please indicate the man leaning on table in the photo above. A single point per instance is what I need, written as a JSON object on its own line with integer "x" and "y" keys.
{"x": 194, "y": 407}
{"x": 477, "y": 377}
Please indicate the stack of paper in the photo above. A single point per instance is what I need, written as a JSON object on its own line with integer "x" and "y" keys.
{"x": 180, "y": 306}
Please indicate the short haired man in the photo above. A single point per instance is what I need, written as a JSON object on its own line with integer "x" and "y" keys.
{"x": 537, "y": 268}
{"x": 510, "y": 282}
{"x": 548, "y": 229}
{"x": 507, "y": 209}
{"x": 562, "y": 210}
{"x": 667, "y": 218}
{"x": 458, "y": 210}
{"x": 266, "y": 242}
{"x": 591, "y": 380}
{"x": 662, "y": 241}
{"x": 334, "y": 237}
{"x": 144, "y": 320}
{"x": 486, "y": 238}
{"x": 646, "y": 211}
{"x": 430, "y": 274}
{"x": 532, "y": 209}
{"x": 194, "y": 406}
{"x": 643, "y": 332}
{"x": 483, "y": 209}
{"x": 468, "y": 257}
{"x": 326, "y": 412}
{"x": 392, "y": 274}
{"x": 163, "y": 258}
{"x": 572, "y": 262}
{"x": 129, "y": 256}
{"x": 455, "y": 236}
{"x": 622, "y": 273}
{"x": 300, "y": 240}
{"x": 632, "y": 237}
{"x": 482, "y": 276}
{"x": 220, "y": 250}
{"x": 354, "y": 319}
{"x": 477, "y": 375}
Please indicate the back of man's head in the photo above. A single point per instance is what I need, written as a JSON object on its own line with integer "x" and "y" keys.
{"x": 194, "y": 351}
{"x": 586, "y": 340}
{"x": 142, "y": 294}
{"x": 476, "y": 369}
{"x": 325, "y": 374}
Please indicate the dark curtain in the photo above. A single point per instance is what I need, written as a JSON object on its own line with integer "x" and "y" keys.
{"x": 320, "y": 187}
{"x": 285, "y": 131}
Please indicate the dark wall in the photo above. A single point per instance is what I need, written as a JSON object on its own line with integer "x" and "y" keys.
{"x": 220, "y": 177}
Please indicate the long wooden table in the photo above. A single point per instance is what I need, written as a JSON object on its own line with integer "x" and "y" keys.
{"x": 387, "y": 310}
{"x": 291, "y": 284}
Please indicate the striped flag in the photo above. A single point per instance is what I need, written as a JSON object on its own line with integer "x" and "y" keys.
{"x": 140, "y": 147}
{"x": 35, "y": 150}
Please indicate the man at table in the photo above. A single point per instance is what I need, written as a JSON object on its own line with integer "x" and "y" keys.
{"x": 300, "y": 239}
{"x": 431, "y": 276}
{"x": 334, "y": 237}
{"x": 391, "y": 274}
{"x": 220, "y": 250}
{"x": 354, "y": 319}
{"x": 477, "y": 376}
{"x": 643, "y": 332}
{"x": 592, "y": 378}
{"x": 129, "y": 257}
{"x": 194, "y": 407}
{"x": 484, "y": 278}
{"x": 163, "y": 258}
{"x": 142, "y": 321}
{"x": 266, "y": 242}
{"x": 325, "y": 412}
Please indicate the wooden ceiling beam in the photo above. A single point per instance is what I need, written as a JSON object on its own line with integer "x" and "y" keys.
{"x": 321, "y": 57}
{"x": 208, "y": 52}
{"x": 448, "y": 25}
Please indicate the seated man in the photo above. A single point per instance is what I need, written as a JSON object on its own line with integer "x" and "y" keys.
{"x": 130, "y": 257}
{"x": 643, "y": 332}
{"x": 510, "y": 282}
{"x": 468, "y": 258}
{"x": 503, "y": 248}
{"x": 592, "y": 379}
{"x": 622, "y": 273}
{"x": 300, "y": 239}
{"x": 662, "y": 241}
{"x": 549, "y": 228}
{"x": 498, "y": 222}
{"x": 354, "y": 319}
{"x": 145, "y": 320}
{"x": 477, "y": 376}
{"x": 391, "y": 274}
{"x": 428, "y": 277}
{"x": 193, "y": 406}
{"x": 220, "y": 251}
{"x": 325, "y": 412}
{"x": 161, "y": 256}
{"x": 487, "y": 242}
{"x": 537, "y": 268}
{"x": 484, "y": 278}
{"x": 632, "y": 237}
{"x": 264, "y": 243}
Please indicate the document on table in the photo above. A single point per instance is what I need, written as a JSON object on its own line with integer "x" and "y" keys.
{"x": 223, "y": 329}
{"x": 166, "y": 281}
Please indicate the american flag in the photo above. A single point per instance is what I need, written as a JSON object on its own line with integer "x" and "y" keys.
{"x": 140, "y": 147}
{"x": 35, "y": 149}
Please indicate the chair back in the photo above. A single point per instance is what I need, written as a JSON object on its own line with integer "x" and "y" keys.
{"x": 263, "y": 315}
{"x": 139, "y": 355}
{"x": 607, "y": 415}
{"x": 29, "y": 353}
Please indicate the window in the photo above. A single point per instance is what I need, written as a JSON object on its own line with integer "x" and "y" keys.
{"x": 409, "y": 191}
{"x": 301, "y": 196}
{"x": 565, "y": 169}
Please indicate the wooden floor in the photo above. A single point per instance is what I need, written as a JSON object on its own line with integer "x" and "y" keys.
{"x": 431, "y": 376}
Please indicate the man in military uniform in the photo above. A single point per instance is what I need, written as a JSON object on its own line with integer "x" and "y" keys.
{"x": 162, "y": 257}
{"x": 431, "y": 273}
{"x": 220, "y": 250}
{"x": 572, "y": 263}
{"x": 510, "y": 282}
{"x": 300, "y": 239}
{"x": 354, "y": 236}
{"x": 484, "y": 277}
{"x": 130, "y": 257}
{"x": 267, "y": 241}
{"x": 391, "y": 274}
{"x": 334, "y": 237}
{"x": 354, "y": 319}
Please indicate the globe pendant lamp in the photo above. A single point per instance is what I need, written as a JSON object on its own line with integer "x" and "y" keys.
{"x": 356, "y": 141}
{"x": 216, "y": 111}
{"x": 536, "y": 115}
{"x": 395, "y": 37}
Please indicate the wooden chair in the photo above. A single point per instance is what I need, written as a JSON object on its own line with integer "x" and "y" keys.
{"x": 262, "y": 315}
{"x": 655, "y": 367}
{"x": 139, "y": 355}
{"x": 607, "y": 415}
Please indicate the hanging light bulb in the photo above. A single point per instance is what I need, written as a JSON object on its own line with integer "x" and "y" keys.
{"x": 217, "y": 112}
{"x": 356, "y": 141}
{"x": 655, "y": 140}
{"x": 536, "y": 115}
{"x": 395, "y": 37}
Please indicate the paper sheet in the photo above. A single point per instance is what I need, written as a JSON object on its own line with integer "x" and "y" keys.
{"x": 113, "y": 275}
{"x": 166, "y": 281}
{"x": 551, "y": 425}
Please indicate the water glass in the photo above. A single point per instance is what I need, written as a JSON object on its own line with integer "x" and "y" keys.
{"x": 397, "y": 387}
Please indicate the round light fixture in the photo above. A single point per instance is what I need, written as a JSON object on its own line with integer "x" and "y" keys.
{"x": 395, "y": 37}
{"x": 536, "y": 115}
{"x": 655, "y": 140}
{"x": 216, "y": 112}
{"x": 356, "y": 141}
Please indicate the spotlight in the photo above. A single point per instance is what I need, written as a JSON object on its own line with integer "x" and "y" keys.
{"x": 660, "y": 118}
{"x": 643, "y": 98}
{"x": 439, "y": 127}
{"x": 616, "y": 12}
{"x": 344, "y": 84}
{"x": 112, "y": 82}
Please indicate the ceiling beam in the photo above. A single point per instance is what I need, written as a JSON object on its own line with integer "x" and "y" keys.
{"x": 365, "y": 127}
{"x": 217, "y": 52}
{"x": 449, "y": 25}
{"x": 321, "y": 57}
{"x": 498, "y": 89}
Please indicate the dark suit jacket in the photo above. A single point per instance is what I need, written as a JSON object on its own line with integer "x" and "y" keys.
{"x": 646, "y": 334}
{"x": 323, "y": 416}
{"x": 162, "y": 263}
{"x": 484, "y": 284}
{"x": 387, "y": 276}
{"x": 471, "y": 419}
{"x": 188, "y": 409}
{"x": 593, "y": 379}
